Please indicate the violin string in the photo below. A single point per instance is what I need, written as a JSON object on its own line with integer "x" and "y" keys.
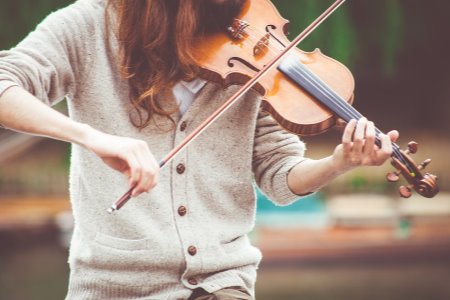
{"x": 342, "y": 105}
{"x": 346, "y": 108}
{"x": 275, "y": 48}
{"x": 254, "y": 41}
{"x": 352, "y": 112}
{"x": 249, "y": 40}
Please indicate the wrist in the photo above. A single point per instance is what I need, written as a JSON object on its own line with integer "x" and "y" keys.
{"x": 84, "y": 135}
{"x": 339, "y": 165}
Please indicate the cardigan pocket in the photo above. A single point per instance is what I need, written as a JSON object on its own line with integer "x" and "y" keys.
{"x": 107, "y": 263}
{"x": 122, "y": 244}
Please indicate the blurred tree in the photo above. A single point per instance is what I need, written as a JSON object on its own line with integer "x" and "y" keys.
{"x": 396, "y": 50}
{"x": 342, "y": 36}
{"x": 336, "y": 36}
{"x": 18, "y": 17}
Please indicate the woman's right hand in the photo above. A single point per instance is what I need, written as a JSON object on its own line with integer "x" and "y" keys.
{"x": 21, "y": 111}
{"x": 129, "y": 156}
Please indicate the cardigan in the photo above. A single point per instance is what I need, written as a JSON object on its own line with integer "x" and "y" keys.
{"x": 191, "y": 230}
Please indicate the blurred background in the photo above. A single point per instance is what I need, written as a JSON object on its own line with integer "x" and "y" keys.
{"x": 356, "y": 239}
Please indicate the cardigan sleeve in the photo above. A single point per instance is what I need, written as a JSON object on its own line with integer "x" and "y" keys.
{"x": 50, "y": 61}
{"x": 275, "y": 153}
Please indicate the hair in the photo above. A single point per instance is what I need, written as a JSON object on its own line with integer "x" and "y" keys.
{"x": 157, "y": 39}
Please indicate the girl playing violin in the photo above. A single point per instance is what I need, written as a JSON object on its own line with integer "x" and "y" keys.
{"x": 128, "y": 72}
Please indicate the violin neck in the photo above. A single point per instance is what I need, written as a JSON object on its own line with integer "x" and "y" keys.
{"x": 316, "y": 87}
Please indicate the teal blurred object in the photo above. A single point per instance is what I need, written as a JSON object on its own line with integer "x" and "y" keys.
{"x": 308, "y": 212}
{"x": 310, "y": 204}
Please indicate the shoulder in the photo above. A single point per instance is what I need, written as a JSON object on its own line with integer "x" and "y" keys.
{"x": 79, "y": 14}
{"x": 75, "y": 24}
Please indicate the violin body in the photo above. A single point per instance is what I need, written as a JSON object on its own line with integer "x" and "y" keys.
{"x": 305, "y": 93}
{"x": 230, "y": 61}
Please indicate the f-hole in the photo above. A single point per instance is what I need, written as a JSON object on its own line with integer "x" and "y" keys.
{"x": 269, "y": 29}
{"x": 242, "y": 61}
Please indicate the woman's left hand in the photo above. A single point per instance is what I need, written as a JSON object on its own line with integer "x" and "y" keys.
{"x": 358, "y": 146}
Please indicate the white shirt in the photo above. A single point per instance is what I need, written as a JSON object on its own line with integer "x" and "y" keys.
{"x": 185, "y": 92}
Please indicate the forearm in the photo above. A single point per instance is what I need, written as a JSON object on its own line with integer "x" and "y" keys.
{"x": 310, "y": 175}
{"x": 21, "y": 111}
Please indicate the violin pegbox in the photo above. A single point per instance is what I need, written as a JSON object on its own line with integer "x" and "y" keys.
{"x": 425, "y": 185}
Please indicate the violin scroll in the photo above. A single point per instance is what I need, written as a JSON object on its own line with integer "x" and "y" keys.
{"x": 425, "y": 185}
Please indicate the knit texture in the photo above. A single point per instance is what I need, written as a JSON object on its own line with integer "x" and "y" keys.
{"x": 141, "y": 252}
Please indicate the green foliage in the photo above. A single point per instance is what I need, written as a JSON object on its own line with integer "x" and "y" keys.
{"x": 382, "y": 42}
{"x": 18, "y": 17}
{"x": 394, "y": 30}
{"x": 336, "y": 36}
{"x": 342, "y": 37}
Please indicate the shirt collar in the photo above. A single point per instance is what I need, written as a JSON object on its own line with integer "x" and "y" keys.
{"x": 194, "y": 85}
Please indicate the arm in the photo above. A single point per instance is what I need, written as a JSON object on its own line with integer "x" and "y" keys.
{"x": 49, "y": 64}
{"x": 275, "y": 153}
{"x": 21, "y": 111}
{"x": 357, "y": 149}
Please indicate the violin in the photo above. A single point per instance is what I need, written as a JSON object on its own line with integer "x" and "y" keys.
{"x": 305, "y": 92}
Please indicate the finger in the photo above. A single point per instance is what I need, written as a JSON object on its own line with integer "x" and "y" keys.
{"x": 134, "y": 169}
{"x": 369, "y": 143}
{"x": 340, "y": 124}
{"x": 393, "y": 135}
{"x": 117, "y": 164}
{"x": 347, "y": 135}
{"x": 150, "y": 170}
{"x": 386, "y": 148}
{"x": 358, "y": 138}
{"x": 143, "y": 185}
{"x": 148, "y": 180}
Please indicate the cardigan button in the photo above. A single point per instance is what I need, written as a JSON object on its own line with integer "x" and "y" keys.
{"x": 182, "y": 210}
{"x": 183, "y": 126}
{"x": 192, "y": 250}
{"x": 192, "y": 281}
{"x": 181, "y": 168}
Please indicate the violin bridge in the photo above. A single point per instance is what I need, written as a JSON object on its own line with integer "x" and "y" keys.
{"x": 237, "y": 29}
{"x": 262, "y": 45}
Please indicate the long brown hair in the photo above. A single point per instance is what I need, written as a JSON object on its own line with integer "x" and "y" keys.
{"x": 156, "y": 40}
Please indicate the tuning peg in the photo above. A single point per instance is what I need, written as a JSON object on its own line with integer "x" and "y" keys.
{"x": 405, "y": 191}
{"x": 393, "y": 176}
{"x": 412, "y": 147}
{"x": 425, "y": 163}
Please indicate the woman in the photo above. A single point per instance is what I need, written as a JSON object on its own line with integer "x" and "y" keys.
{"x": 127, "y": 70}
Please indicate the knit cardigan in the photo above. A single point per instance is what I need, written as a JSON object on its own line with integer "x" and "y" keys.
{"x": 191, "y": 230}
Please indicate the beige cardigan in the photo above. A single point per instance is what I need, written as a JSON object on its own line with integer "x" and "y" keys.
{"x": 191, "y": 230}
